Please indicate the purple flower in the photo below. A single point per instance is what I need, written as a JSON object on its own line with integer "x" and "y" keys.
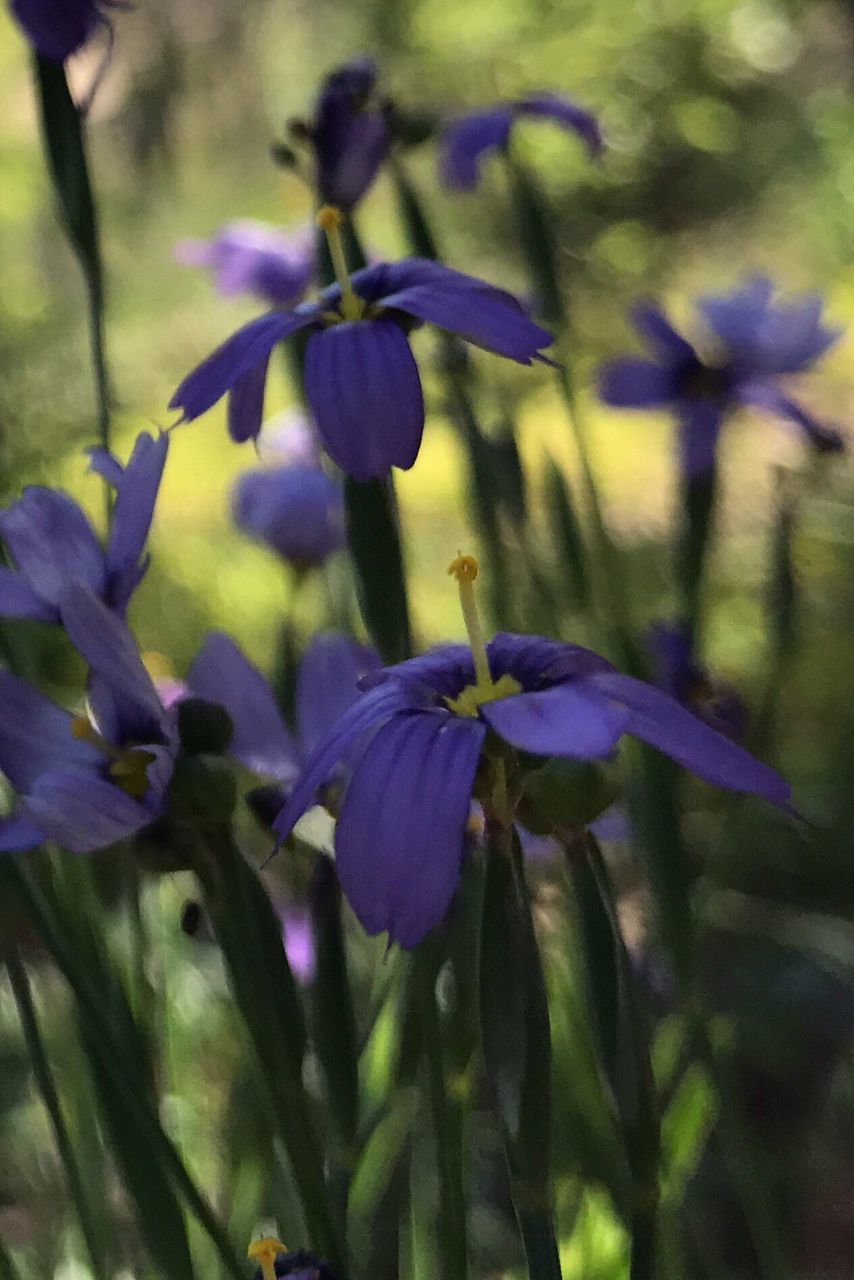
{"x": 467, "y": 139}
{"x": 53, "y": 544}
{"x": 253, "y": 257}
{"x": 86, "y": 781}
{"x": 361, "y": 379}
{"x": 58, "y": 28}
{"x": 299, "y": 941}
{"x": 350, "y": 133}
{"x": 415, "y": 740}
{"x": 750, "y": 342}
{"x": 677, "y": 671}
{"x": 297, "y": 511}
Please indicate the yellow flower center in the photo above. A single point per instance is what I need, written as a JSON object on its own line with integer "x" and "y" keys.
{"x": 485, "y": 689}
{"x": 128, "y": 768}
{"x": 264, "y": 1252}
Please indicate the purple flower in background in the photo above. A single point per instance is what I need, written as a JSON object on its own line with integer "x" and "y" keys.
{"x": 677, "y": 671}
{"x": 299, "y": 941}
{"x": 467, "y": 139}
{"x": 361, "y": 379}
{"x": 52, "y": 542}
{"x": 289, "y": 439}
{"x": 350, "y": 133}
{"x": 297, "y": 511}
{"x": 58, "y": 28}
{"x": 416, "y": 737}
{"x": 751, "y": 342}
{"x": 255, "y": 258}
{"x": 86, "y": 781}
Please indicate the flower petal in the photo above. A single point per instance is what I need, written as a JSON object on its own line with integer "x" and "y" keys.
{"x": 653, "y": 325}
{"x": 19, "y": 600}
{"x": 297, "y": 510}
{"x": 328, "y": 683}
{"x": 52, "y": 543}
{"x": 533, "y": 660}
{"x": 567, "y": 113}
{"x": 82, "y": 811}
{"x": 137, "y": 490}
{"x": 238, "y": 355}
{"x": 246, "y": 403}
{"x": 18, "y": 833}
{"x": 221, "y": 673}
{"x": 462, "y": 304}
{"x": 56, "y": 30}
{"x": 399, "y": 840}
{"x": 365, "y": 714}
{"x": 362, "y": 385}
{"x": 762, "y": 394}
{"x": 659, "y": 720}
{"x": 35, "y": 734}
{"x": 569, "y": 719}
{"x": 634, "y": 383}
{"x": 466, "y": 140}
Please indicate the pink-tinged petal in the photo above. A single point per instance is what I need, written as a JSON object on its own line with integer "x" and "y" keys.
{"x": 400, "y": 836}
{"x": 569, "y": 719}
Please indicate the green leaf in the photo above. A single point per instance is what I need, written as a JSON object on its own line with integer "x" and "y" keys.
{"x": 567, "y": 540}
{"x": 373, "y": 535}
{"x": 379, "y": 1162}
{"x": 685, "y": 1128}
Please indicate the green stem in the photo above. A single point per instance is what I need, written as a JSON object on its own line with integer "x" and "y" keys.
{"x": 536, "y": 1228}
{"x": 47, "y": 1089}
{"x": 699, "y": 505}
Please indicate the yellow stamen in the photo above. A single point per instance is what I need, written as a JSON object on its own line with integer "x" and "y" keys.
{"x": 330, "y": 220}
{"x": 128, "y": 768}
{"x": 465, "y": 570}
{"x": 84, "y": 731}
{"x": 264, "y": 1252}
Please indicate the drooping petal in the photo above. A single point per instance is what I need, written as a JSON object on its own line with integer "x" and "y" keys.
{"x": 328, "y": 683}
{"x": 19, "y": 600}
{"x": 399, "y": 839}
{"x": 567, "y": 113}
{"x": 52, "y": 543}
{"x": 35, "y": 734}
{"x": 124, "y": 700}
{"x": 83, "y": 811}
{"x": 363, "y": 387}
{"x": 246, "y": 403}
{"x": 763, "y": 394}
{"x": 367, "y": 713}
{"x": 136, "y": 495}
{"x": 634, "y": 383}
{"x": 569, "y": 719}
{"x": 462, "y": 304}
{"x": 238, "y": 355}
{"x": 17, "y": 833}
{"x": 466, "y": 141}
{"x": 659, "y": 720}
{"x": 221, "y": 673}
{"x": 700, "y": 424}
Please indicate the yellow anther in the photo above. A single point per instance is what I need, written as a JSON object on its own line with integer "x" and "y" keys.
{"x": 463, "y": 568}
{"x": 264, "y": 1252}
{"x": 330, "y": 220}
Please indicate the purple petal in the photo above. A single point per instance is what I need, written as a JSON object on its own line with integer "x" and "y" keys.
{"x": 137, "y": 490}
{"x": 569, "y": 719}
{"x": 124, "y": 700}
{"x": 362, "y": 385}
{"x": 466, "y": 140}
{"x": 238, "y": 355}
{"x": 736, "y": 317}
{"x": 763, "y": 394}
{"x": 57, "y": 28}
{"x": 18, "y": 833}
{"x": 659, "y": 720}
{"x": 350, "y": 133}
{"x": 35, "y": 734}
{"x": 328, "y": 683}
{"x": 102, "y": 462}
{"x": 18, "y": 600}
{"x": 532, "y": 659}
{"x": 52, "y": 543}
{"x": 567, "y": 113}
{"x": 700, "y": 424}
{"x": 221, "y": 673}
{"x": 633, "y": 383}
{"x": 399, "y": 839}
{"x": 653, "y": 325}
{"x": 82, "y": 811}
{"x": 441, "y": 672}
{"x": 370, "y": 710}
{"x": 462, "y": 304}
{"x": 298, "y": 511}
{"x": 253, "y": 257}
{"x": 246, "y": 403}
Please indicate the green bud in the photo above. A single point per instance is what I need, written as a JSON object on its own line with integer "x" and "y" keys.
{"x": 565, "y": 793}
{"x": 204, "y": 727}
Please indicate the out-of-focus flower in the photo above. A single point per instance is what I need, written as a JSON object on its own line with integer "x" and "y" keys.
{"x": 299, "y": 941}
{"x": 86, "y": 781}
{"x": 297, "y": 511}
{"x": 677, "y": 671}
{"x": 349, "y": 134}
{"x": 255, "y": 258}
{"x": 53, "y": 544}
{"x": 361, "y": 379}
{"x": 467, "y": 139}
{"x": 417, "y": 735}
{"x": 58, "y": 28}
{"x": 289, "y": 439}
{"x": 751, "y": 342}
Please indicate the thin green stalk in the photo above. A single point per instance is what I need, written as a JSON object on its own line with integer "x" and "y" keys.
{"x": 699, "y": 507}
{"x": 23, "y": 996}
{"x": 109, "y": 1051}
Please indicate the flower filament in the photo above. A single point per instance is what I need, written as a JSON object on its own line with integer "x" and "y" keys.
{"x": 485, "y": 689}
{"x": 330, "y": 220}
{"x": 128, "y": 768}
{"x": 264, "y": 1253}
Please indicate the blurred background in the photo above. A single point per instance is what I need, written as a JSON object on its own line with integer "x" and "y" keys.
{"x": 728, "y": 129}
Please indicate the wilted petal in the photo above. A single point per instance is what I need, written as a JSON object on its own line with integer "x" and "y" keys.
{"x": 82, "y": 811}
{"x": 634, "y": 383}
{"x": 52, "y": 543}
{"x": 465, "y": 141}
{"x": 567, "y": 113}
{"x": 362, "y": 385}
{"x": 222, "y": 673}
{"x": 569, "y": 719}
{"x": 328, "y": 683}
{"x": 35, "y": 734}
{"x": 399, "y": 839}
{"x": 19, "y": 600}
{"x": 659, "y": 720}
